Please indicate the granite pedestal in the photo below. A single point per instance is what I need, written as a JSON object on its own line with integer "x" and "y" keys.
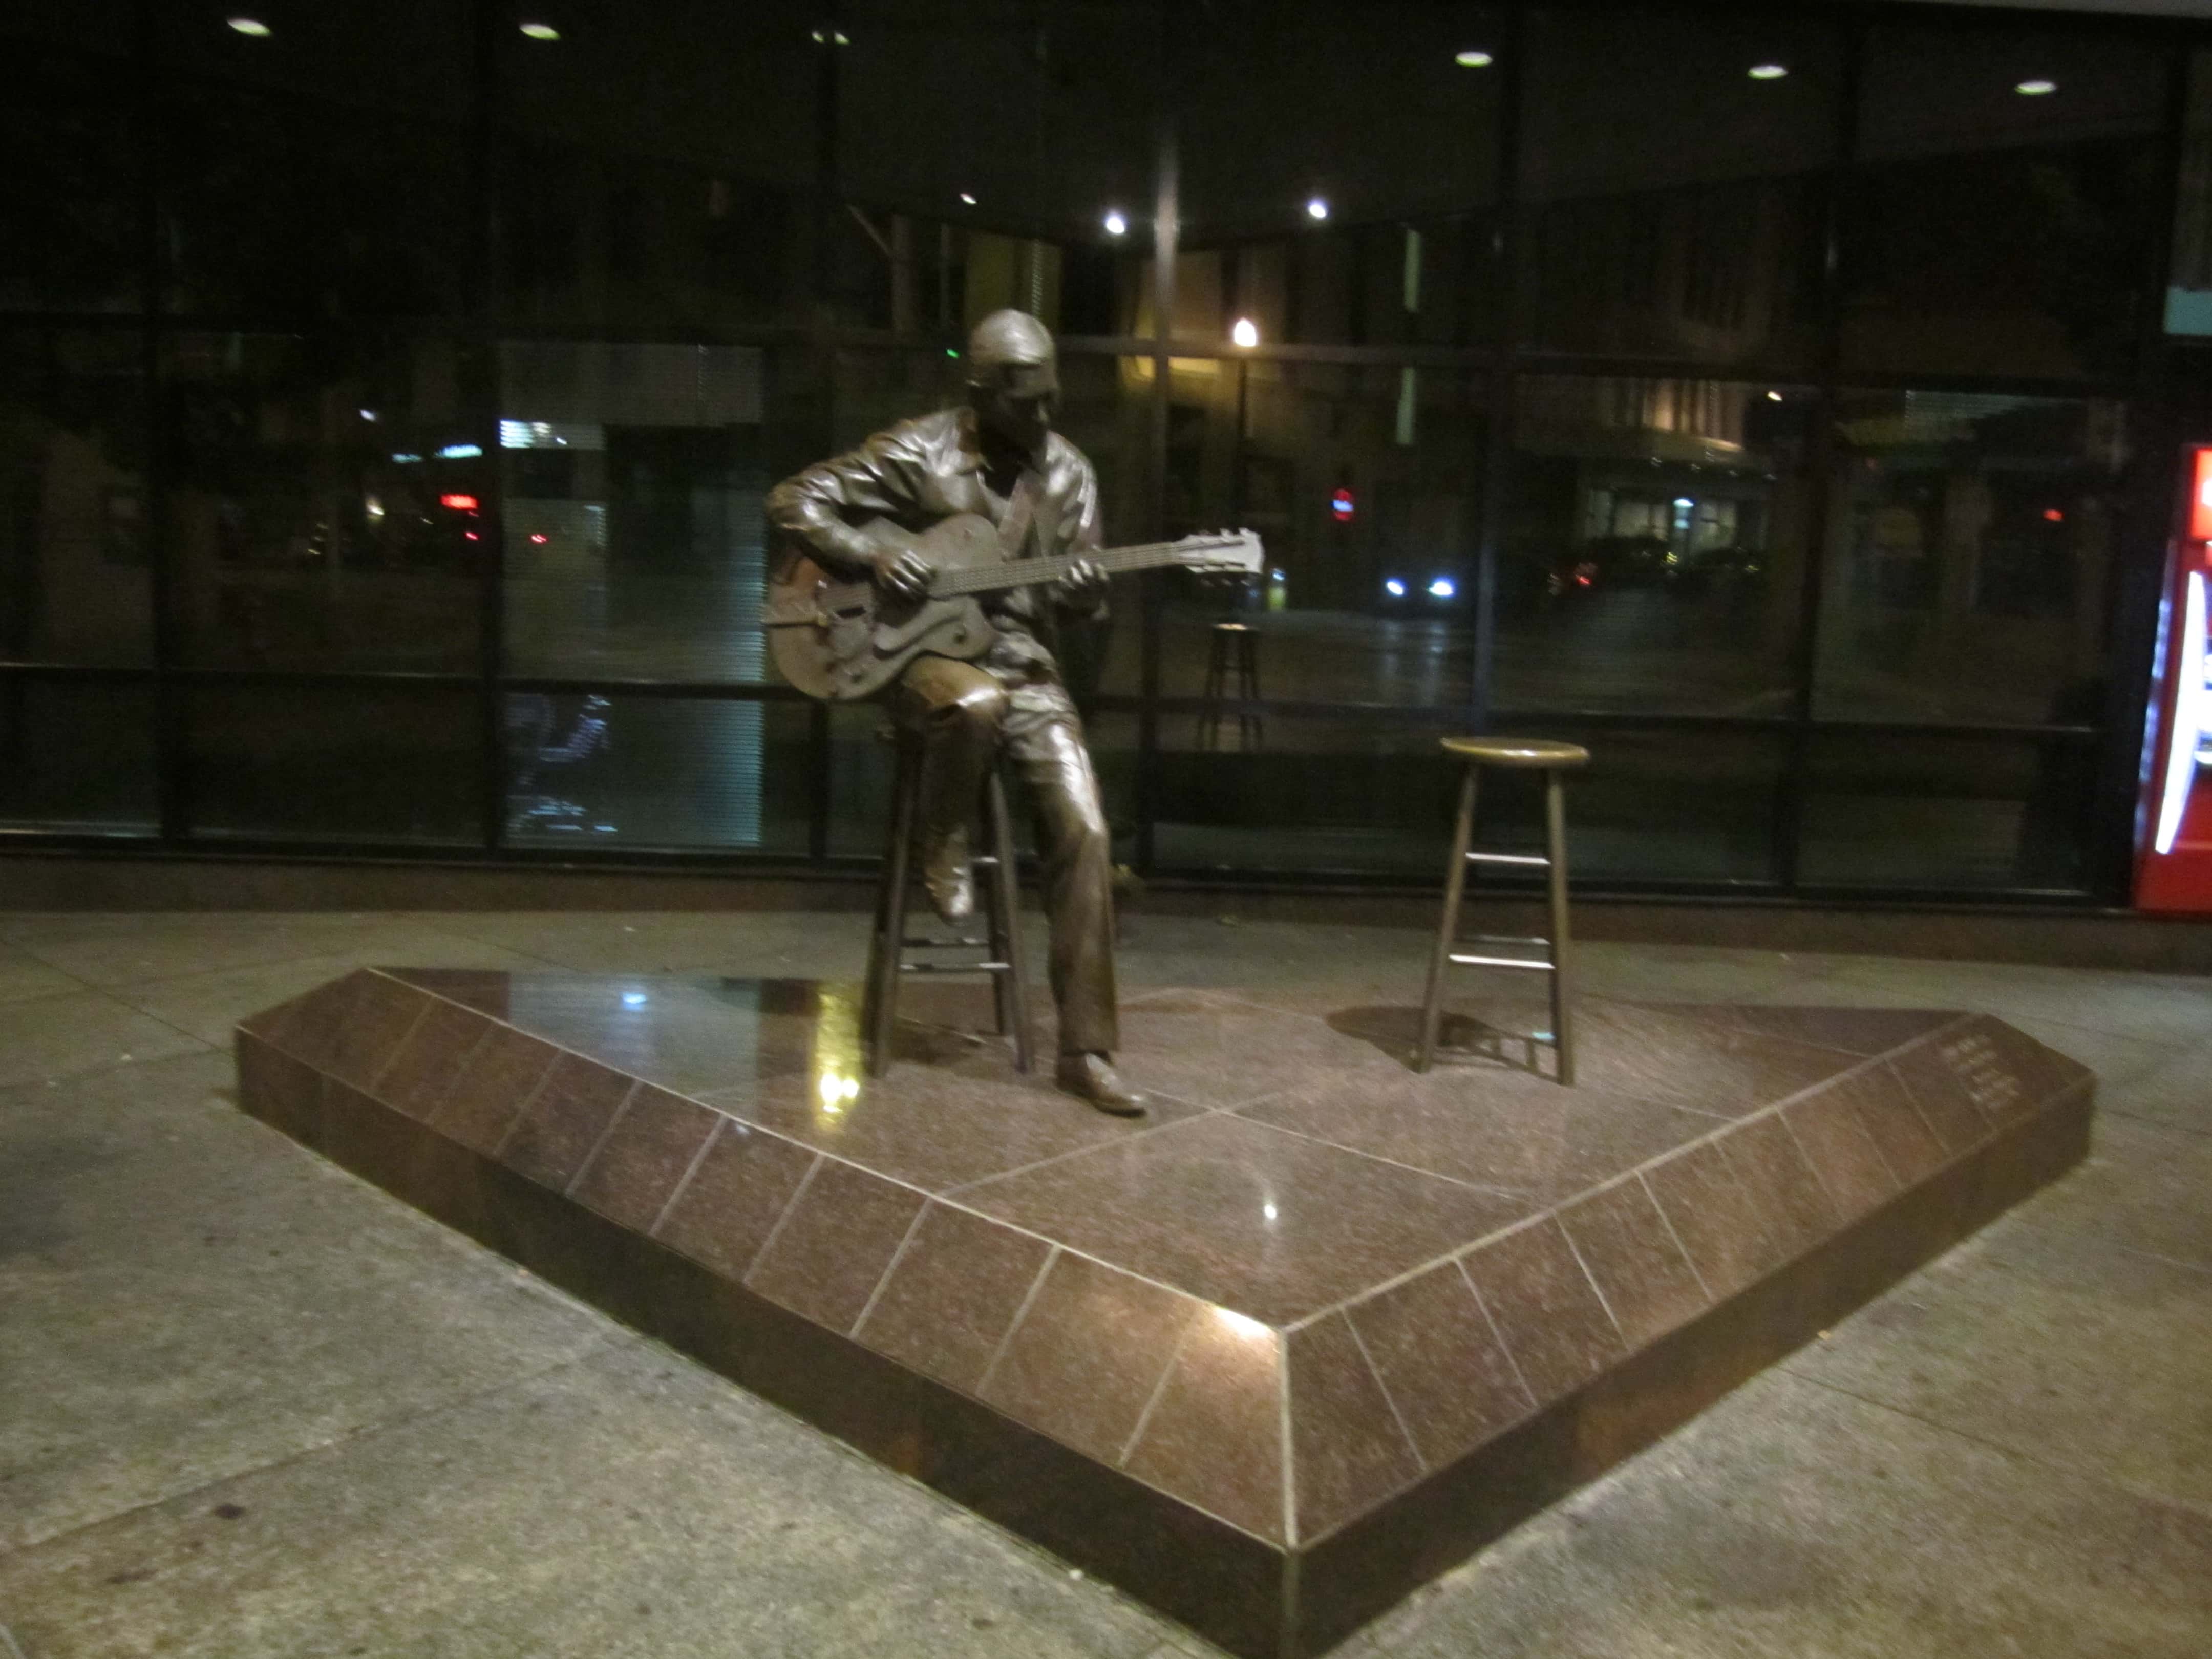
{"x": 1271, "y": 1360}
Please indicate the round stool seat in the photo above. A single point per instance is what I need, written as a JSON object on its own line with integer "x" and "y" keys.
{"x": 1529, "y": 752}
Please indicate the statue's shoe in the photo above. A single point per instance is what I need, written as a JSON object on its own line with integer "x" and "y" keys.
{"x": 950, "y": 883}
{"x": 1093, "y": 1077}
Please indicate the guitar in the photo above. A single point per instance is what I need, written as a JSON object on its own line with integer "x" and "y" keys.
{"x": 842, "y": 641}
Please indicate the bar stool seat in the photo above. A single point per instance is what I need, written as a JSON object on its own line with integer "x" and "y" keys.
{"x": 1554, "y": 759}
{"x": 998, "y": 955}
{"x": 1526, "y": 753}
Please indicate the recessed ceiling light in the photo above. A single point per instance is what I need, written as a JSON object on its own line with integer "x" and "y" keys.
{"x": 1115, "y": 223}
{"x": 1768, "y": 71}
{"x": 1316, "y": 209}
{"x": 252, "y": 26}
{"x": 1473, "y": 59}
{"x": 1774, "y": 397}
{"x": 1245, "y": 333}
{"x": 967, "y": 199}
{"x": 541, "y": 31}
{"x": 832, "y": 38}
{"x": 2036, "y": 89}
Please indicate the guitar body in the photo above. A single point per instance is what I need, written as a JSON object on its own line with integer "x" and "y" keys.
{"x": 842, "y": 641}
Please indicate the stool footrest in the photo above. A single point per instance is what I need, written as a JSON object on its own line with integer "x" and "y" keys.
{"x": 1502, "y": 939}
{"x": 956, "y": 966}
{"x": 947, "y": 943}
{"x": 1520, "y": 861}
{"x": 1465, "y": 959}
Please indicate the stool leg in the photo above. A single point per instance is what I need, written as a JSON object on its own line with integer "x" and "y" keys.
{"x": 1448, "y": 924}
{"x": 1248, "y": 687}
{"x": 880, "y": 1010}
{"x": 1209, "y": 719}
{"x": 1555, "y": 831}
{"x": 1012, "y": 987}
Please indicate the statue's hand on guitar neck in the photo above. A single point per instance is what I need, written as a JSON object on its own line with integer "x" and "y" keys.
{"x": 1082, "y": 589}
{"x": 903, "y": 573}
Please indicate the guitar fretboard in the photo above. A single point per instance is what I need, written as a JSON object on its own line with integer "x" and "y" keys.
{"x": 969, "y": 580}
{"x": 1021, "y": 572}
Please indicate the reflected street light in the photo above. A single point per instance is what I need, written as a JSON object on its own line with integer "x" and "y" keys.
{"x": 2036, "y": 89}
{"x": 540, "y": 31}
{"x": 1472, "y": 59}
{"x": 1316, "y": 209}
{"x": 252, "y": 26}
{"x": 1767, "y": 72}
{"x": 1115, "y": 223}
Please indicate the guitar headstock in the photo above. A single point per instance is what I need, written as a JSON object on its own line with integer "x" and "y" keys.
{"x": 1221, "y": 553}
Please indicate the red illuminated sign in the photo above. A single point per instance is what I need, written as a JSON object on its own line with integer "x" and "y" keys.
{"x": 1342, "y": 506}
{"x": 2200, "y": 499}
{"x": 459, "y": 503}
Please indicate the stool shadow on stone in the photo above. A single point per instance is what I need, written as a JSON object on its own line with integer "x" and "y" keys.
{"x": 1396, "y": 1028}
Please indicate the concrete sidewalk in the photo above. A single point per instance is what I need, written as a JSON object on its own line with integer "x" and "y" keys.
{"x": 250, "y": 1406}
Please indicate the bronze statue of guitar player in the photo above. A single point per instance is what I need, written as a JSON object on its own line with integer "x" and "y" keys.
{"x": 931, "y": 563}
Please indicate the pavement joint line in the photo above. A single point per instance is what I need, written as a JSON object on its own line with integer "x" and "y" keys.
{"x": 601, "y": 1342}
{"x": 2109, "y": 1109}
{"x": 2070, "y": 1471}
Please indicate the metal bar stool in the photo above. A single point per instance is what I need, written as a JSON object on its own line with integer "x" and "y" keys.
{"x": 1231, "y": 648}
{"x": 999, "y": 955}
{"x": 1527, "y": 755}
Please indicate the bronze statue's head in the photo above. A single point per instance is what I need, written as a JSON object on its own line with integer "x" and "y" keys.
{"x": 1013, "y": 379}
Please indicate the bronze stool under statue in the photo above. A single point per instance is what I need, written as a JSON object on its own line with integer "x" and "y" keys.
{"x": 1001, "y": 950}
{"x": 1528, "y": 755}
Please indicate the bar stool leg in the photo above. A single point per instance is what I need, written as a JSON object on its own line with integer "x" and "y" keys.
{"x": 1447, "y": 927}
{"x": 1217, "y": 668}
{"x": 1555, "y": 830}
{"x": 880, "y": 1010}
{"x": 1012, "y": 988}
{"x": 1248, "y": 688}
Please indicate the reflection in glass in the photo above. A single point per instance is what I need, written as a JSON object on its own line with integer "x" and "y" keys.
{"x": 1992, "y": 233}
{"x": 74, "y": 577}
{"x": 1676, "y": 202}
{"x": 77, "y": 759}
{"x": 2189, "y": 283}
{"x": 69, "y": 236}
{"x": 1317, "y": 795}
{"x": 655, "y": 772}
{"x": 1363, "y": 483}
{"x": 1395, "y": 140}
{"x": 1655, "y": 548}
{"x": 980, "y": 150}
{"x": 324, "y": 500}
{"x": 655, "y": 164}
{"x": 1932, "y": 812}
{"x": 1970, "y": 557}
{"x": 317, "y": 171}
{"x": 357, "y": 762}
{"x": 634, "y": 541}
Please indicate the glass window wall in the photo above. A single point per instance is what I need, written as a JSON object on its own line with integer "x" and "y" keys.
{"x": 1770, "y": 397}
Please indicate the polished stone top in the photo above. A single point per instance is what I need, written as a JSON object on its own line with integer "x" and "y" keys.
{"x": 1307, "y": 1238}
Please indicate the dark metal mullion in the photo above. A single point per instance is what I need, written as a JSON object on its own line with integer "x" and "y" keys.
{"x": 173, "y": 714}
{"x": 2150, "y": 521}
{"x": 481, "y": 388}
{"x": 818, "y": 340}
{"x": 1166, "y": 207}
{"x": 1509, "y": 250}
{"x": 1789, "y": 809}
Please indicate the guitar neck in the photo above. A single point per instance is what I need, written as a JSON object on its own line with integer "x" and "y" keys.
{"x": 1023, "y": 573}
